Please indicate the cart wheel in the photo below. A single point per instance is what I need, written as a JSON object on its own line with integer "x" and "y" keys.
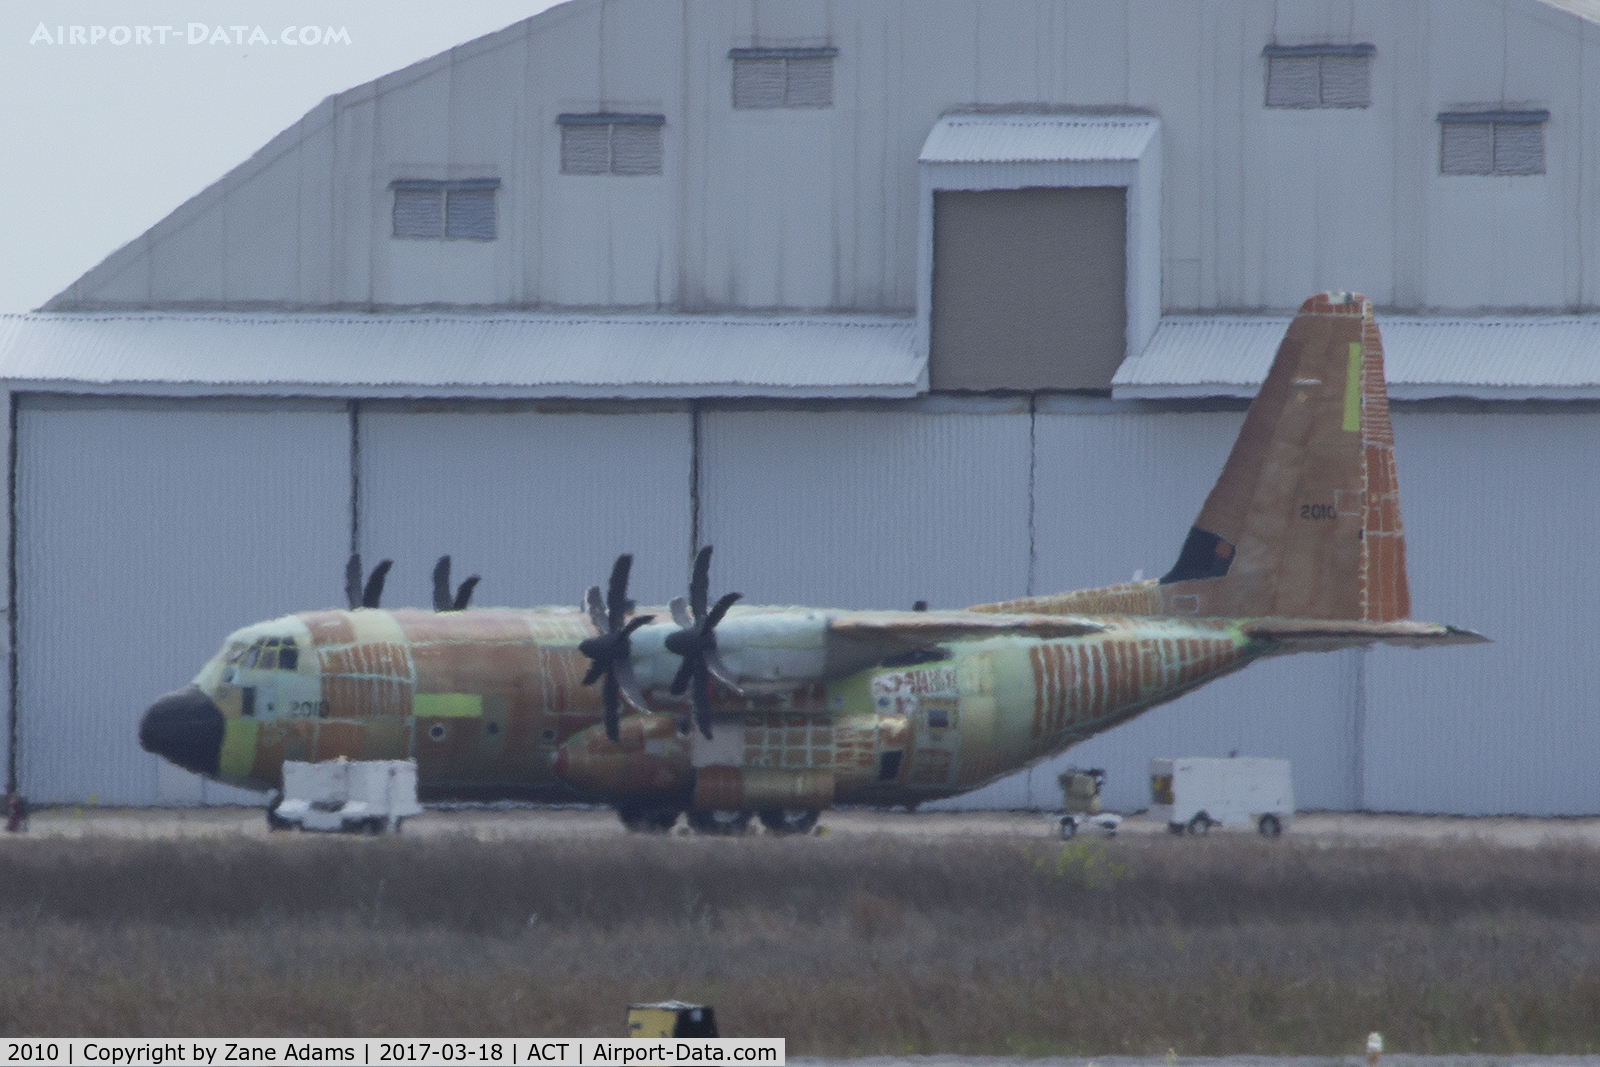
{"x": 1269, "y": 826}
{"x": 1200, "y": 825}
{"x": 1068, "y": 827}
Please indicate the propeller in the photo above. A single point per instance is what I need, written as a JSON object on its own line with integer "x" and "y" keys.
{"x": 609, "y": 649}
{"x": 441, "y": 588}
{"x": 696, "y": 641}
{"x": 366, "y": 596}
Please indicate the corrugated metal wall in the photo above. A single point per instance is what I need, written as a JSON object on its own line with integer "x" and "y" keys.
{"x": 145, "y": 533}
{"x": 1500, "y": 510}
{"x": 868, "y": 507}
{"x": 538, "y": 501}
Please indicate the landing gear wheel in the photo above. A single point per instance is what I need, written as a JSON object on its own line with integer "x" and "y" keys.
{"x": 1200, "y": 825}
{"x": 725, "y": 823}
{"x": 1175, "y": 827}
{"x": 649, "y": 820}
{"x": 780, "y": 821}
{"x": 1269, "y": 826}
{"x": 1069, "y": 826}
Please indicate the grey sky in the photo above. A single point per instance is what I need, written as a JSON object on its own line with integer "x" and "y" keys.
{"x": 100, "y": 139}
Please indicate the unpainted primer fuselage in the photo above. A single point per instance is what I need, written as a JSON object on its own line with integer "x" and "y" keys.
{"x": 489, "y": 703}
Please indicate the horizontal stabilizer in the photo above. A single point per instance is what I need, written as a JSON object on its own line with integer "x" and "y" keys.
{"x": 1326, "y": 635}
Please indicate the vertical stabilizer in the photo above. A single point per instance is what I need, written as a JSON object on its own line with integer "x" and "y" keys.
{"x": 1304, "y": 521}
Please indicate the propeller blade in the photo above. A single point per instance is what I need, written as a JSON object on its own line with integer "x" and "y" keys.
{"x": 596, "y": 609}
{"x": 680, "y": 612}
{"x": 441, "y": 584}
{"x": 623, "y": 670}
{"x": 680, "y": 681}
{"x": 702, "y": 698}
{"x": 464, "y": 594}
{"x": 352, "y": 580}
{"x": 617, "y": 602}
{"x": 700, "y": 582}
{"x": 374, "y": 589}
{"x": 718, "y": 611}
{"x": 609, "y": 696}
{"x": 720, "y": 672}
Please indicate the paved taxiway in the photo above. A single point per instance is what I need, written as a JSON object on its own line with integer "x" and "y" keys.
{"x": 519, "y": 823}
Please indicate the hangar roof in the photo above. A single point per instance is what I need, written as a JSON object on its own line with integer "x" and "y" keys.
{"x": 1491, "y": 358}
{"x": 471, "y": 355}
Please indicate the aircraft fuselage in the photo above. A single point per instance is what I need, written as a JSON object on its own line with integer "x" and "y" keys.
{"x": 489, "y": 703}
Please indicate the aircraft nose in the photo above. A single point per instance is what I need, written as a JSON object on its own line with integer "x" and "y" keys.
{"x": 186, "y": 728}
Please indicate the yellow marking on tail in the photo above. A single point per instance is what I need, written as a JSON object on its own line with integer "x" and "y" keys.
{"x": 1352, "y": 390}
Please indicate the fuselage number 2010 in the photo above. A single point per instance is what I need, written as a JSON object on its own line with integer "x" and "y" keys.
{"x": 1317, "y": 511}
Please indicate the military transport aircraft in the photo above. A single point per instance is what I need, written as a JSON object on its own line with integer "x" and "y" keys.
{"x": 720, "y": 711}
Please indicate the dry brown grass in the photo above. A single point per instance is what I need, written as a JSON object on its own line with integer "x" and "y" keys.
{"x": 1227, "y": 944}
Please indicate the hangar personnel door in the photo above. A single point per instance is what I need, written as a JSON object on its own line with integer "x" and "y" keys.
{"x": 1029, "y": 288}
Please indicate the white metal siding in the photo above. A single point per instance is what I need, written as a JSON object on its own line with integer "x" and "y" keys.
{"x": 816, "y": 207}
{"x": 145, "y": 534}
{"x": 867, "y": 509}
{"x": 1499, "y": 511}
{"x": 539, "y": 503}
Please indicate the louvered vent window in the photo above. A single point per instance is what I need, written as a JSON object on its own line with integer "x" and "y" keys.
{"x": 452, "y": 210}
{"x": 782, "y": 77}
{"x": 1492, "y": 142}
{"x": 1319, "y": 75}
{"x": 606, "y": 143}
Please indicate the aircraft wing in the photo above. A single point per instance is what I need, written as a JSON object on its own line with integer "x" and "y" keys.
{"x": 859, "y": 639}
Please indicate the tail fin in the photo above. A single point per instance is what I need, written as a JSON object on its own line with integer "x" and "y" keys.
{"x": 1304, "y": 521}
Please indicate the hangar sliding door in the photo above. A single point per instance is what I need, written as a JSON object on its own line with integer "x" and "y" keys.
{"x": 146, "y": 532}
{"x": 1499, "y": 509}
{"x": 537, "y": 500}
{"x": 868, "y": 507}
{"x": 1029, "y": 288}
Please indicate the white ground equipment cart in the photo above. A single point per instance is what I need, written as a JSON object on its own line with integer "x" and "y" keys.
{"x": 1195, "y": 794}
{"x": 1080, "y": 795}
{"x": 346, "y": 796}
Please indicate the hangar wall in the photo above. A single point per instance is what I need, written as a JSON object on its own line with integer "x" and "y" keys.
{"x": 147, "y": 530}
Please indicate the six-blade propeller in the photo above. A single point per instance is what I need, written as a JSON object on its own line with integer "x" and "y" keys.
{"x": 366, "y": 596}
{"x": 442, "y": 600}
{"x": 696, "y": 642}
{"x": 609, "y": 649}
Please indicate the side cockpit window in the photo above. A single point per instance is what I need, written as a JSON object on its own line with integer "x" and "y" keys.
{"x": 288, "y": 655}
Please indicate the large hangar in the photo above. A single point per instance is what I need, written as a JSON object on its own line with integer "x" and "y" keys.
{"x": 888, "y": 301}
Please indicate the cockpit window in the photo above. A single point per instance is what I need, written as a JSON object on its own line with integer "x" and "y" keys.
{"x": 235, "y": 652}
{"x": 266, "y": 654}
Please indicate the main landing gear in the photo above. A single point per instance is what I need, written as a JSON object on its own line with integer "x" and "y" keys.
{"x": 777, "y": 821}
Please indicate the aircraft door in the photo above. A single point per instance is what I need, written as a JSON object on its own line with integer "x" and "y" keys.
{"x": 926, "y": 699}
